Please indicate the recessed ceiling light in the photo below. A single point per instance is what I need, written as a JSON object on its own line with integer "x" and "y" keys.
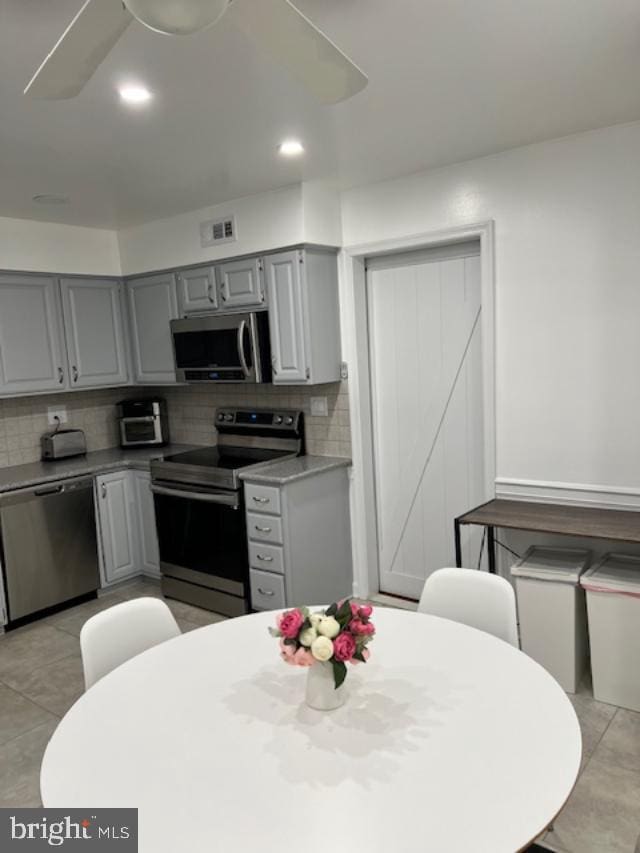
{"x": 291, "y": 148}
{"x": 50, "y": 198}
{"x": 131, "y": 94}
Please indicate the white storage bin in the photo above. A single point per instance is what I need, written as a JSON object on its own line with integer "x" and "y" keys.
{"x": 552, "y": 613}
{"x": 613, "y": 603}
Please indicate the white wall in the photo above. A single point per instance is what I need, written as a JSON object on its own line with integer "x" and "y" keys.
{"x": 50, "y": 247}
{"x": 567, "y": 242}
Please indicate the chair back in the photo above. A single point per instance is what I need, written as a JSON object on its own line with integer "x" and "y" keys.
{"x": 475, "y": 598}
{"x": 123, "y": 631}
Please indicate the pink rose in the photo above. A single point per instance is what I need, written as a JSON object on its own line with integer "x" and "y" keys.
{"x": 289, "y": 623}
{"x": 344, "y": 646}
{"x": 366, "y": 654}
{"x": 287, "y": 652}
{"x": 361, "y": 611}
{"x": 303, "y": 657}
{"x": 357, "y": 626}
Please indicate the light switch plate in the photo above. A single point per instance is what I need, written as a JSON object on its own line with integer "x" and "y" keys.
{"x": 57, "y": 414}
{"x": 319, "y": 407}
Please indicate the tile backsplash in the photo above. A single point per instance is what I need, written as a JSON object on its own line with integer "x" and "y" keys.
{"x": 191, "y": 413}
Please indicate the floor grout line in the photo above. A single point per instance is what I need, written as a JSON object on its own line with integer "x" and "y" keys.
{"x": 27, "y": 731}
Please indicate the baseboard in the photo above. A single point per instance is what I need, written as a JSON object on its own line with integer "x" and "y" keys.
{"x": 571, "y": 494}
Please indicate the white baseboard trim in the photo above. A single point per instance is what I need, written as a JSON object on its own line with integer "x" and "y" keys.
{"x": 571, "y": 494}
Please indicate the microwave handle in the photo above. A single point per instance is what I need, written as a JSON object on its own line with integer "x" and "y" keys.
{"x": 243, "y": 361}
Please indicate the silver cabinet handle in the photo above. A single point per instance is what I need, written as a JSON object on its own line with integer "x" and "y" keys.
{"x": 262, "y": 529}
{"x": 264, "y": 558}
{"x": 103, "y": 490}
{"x": 74, "y": 371}
{"x": 261, "y": 500}
{"x": 210, "y": 294}
{"x": 268, "y": 592}
{"x": 243, "y": 360}
{"x": 60, "y": 376}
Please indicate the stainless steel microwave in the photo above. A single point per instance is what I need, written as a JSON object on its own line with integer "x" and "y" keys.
{"x": 223, "y": 348}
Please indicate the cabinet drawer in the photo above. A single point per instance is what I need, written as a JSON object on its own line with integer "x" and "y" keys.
{"x": 264, "y": 528}
{"x": 263, "y": 498}
{"x": 267, "y": 591}
{"x": 269, "y": 557}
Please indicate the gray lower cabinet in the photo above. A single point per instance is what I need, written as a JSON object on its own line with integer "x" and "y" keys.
{"x": 153, "y": 304}
{"x": 197, "y": 292}
{"x": 95, "y": 331}
{"x": 299, "y": 541}
{"x": 126, "y": 521}
{"x": 240, "y": 284}
{"x": 117, "y": 519}
{"x": 304, "y": 318}
{"x": 32, "y": 354}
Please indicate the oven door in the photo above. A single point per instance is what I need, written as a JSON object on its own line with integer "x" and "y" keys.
{"x": 216, "y": 349}
{"x": 202, "y": 536}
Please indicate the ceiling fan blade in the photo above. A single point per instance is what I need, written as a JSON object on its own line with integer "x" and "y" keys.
{"x": 80, "y": 50}
{"x": 295, "y": 42}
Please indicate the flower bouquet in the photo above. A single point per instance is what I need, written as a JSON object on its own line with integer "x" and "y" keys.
{"x": 333, "y": 637}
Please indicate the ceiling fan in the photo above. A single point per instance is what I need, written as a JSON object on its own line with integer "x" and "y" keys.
{"x": 275, "y": 25}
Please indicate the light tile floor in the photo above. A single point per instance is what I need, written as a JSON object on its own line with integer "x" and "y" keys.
{"x": 41, "y": 677}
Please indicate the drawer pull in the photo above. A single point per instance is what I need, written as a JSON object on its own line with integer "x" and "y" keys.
{"x": 262, "y": 529}
{"x": 268, "y": 592}
{"x": 264, "y": 558}
{"x": 261, "y": 500}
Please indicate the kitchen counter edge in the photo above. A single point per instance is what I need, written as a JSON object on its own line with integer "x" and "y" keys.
{"x": 290, "y": 470}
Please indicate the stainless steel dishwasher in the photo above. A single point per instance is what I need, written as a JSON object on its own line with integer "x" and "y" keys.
{"x": 49, "y": 548}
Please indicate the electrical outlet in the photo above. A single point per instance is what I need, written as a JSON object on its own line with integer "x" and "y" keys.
{"x": 344, "y": 370}
{"x": 57, "y": 415}
{"x": 319, "y": 407}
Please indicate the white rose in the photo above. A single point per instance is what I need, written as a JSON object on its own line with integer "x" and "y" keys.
{"x": 322, "y": 648}
{"x": 315, "y": 619}
{"x": 329, "y": 627}
{"x": 307, "y": 636}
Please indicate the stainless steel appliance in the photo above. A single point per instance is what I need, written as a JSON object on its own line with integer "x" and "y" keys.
{"x": 144, "y": 422}
{"x": 199, "y": 506}
{"x": 63, "y": 443}
{"x": 223, "y": 348}
{"x": 49, "y": 549}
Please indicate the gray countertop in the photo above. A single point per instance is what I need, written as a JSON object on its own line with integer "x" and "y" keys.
{"x": 280, "y": 473}
{"x": 95, "y": 462}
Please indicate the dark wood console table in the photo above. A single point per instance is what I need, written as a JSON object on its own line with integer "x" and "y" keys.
{"x": 615, "y": 524}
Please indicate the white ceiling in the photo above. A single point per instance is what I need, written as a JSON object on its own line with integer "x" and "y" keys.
{"x": 449, "y": 80}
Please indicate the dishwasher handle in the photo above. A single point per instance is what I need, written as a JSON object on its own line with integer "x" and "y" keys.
{"x": 46, "y": 490}
{"x": 49, "y": 490}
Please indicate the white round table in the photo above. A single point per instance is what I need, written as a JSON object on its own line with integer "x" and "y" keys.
{"x": 450, "y": 741}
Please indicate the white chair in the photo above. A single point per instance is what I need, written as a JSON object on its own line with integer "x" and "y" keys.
{"x": 123, "y": 631}
{"x": 475, "y": 598}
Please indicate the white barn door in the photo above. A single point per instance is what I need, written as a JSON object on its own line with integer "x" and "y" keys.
{"x": 427, "y": 409}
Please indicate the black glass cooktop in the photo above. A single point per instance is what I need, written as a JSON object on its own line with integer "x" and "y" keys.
{"x": 229, "y": 458}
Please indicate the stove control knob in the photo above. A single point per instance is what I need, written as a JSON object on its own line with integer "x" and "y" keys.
{"x": 228, "y": 417}
{"x": 220, "y": 417}
{"x": 277, "y": 419}
{"x": 288, "y": 421}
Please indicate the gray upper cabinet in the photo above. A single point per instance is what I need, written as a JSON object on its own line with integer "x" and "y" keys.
{"x": 304, "y": 319}
{"x": 241, "y": 283}
{"x": 95, "y": 333}
{"x": 197, "y": 290}
{"x": 152, "y": 305}
{"x": 31, "y": 337}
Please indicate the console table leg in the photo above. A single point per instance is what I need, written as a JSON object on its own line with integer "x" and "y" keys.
{"x": 491, "y": 549}
{"x": 456, "y": 526}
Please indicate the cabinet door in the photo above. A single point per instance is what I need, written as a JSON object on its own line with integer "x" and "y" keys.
{"x": 241, "y": 283}
{"x": 152, "y": 306}
{"x": 149, "y": 552}
{"x": 283, "y": 275}
{"x": 94, "y": 327}
{"x": 118, "y": 526}
{"x": 31, "y": 341}
{"x": 197, "y": 290}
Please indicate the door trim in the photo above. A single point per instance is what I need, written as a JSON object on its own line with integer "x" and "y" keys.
{"x": 353, "y": 305}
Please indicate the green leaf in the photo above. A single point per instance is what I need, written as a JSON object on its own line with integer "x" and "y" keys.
{"x": 290, "y": 641}
{"x": 274, "y": 632}
{"x": 339, "y": 672}
{"x": 359, "y": 656}
{"x": 343, "y": 615}
{"x": 331, "y": 611}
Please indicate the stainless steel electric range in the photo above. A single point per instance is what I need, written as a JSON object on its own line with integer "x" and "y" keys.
{"x": 199, "y": 506}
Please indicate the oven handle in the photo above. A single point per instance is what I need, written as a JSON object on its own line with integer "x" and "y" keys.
{"x": 243, "y": 361}
{"x": 207, "y": 497}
